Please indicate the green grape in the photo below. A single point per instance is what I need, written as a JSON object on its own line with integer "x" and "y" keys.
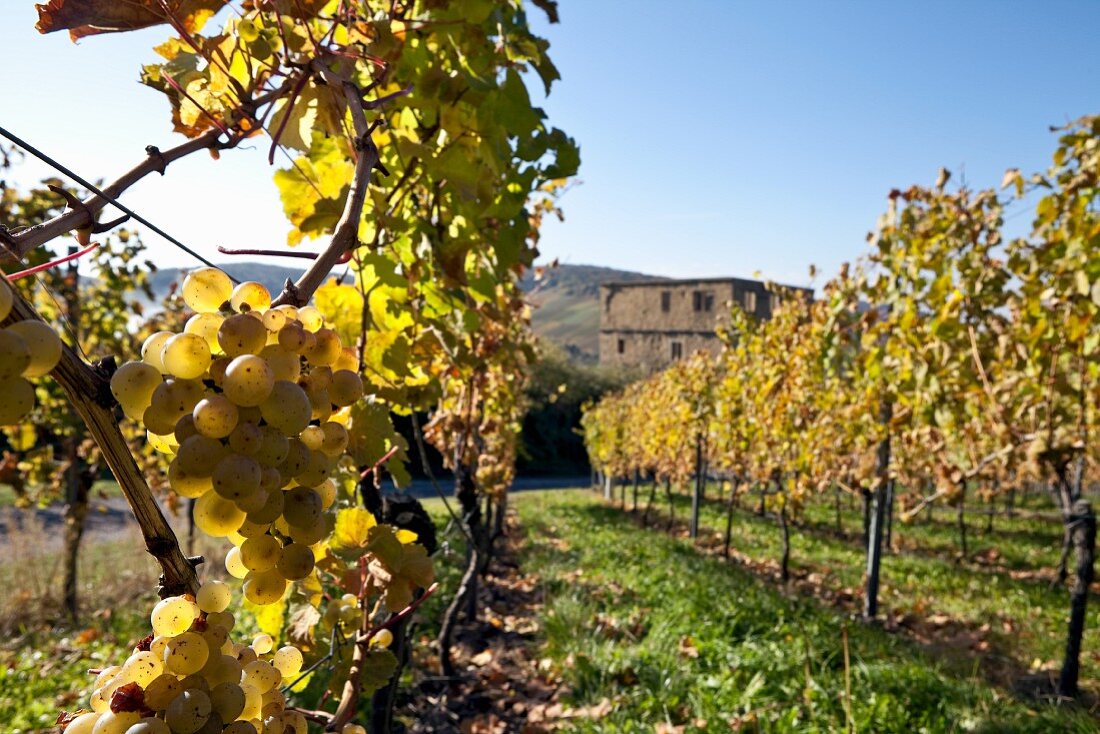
{"x": 186, "y": 484}
{"x": 85, "y": 723}
{"x": 335, "y": 439}
{"x": 227, "y": 699}
{"x": 242, "y": 334}
{"x": 284, "y": 364}
{"x": 43, "y": 344}
{"x": 132, "y": 385}
{"x": 382, "y": 638}
{"x": 215, "y": 416}
{"x": 142, "y": 668}
{"x": 326, "y": 348}
{"x": 186, "y": 654}
{"x": 346, "y": 387}
{"x": 250, "y": 296}
{"x": 161, "y": 691}
{"x": 149, "y": 725}
{"x": 310, "y": 317}
{"x": 16, "y": 400}
{"x": 206, "y": 325}
{"x": 248, "y": 380}
{"x": 6, "y": 299}
{"x": 214, "y": 596}
{"x": 237, "y": 477}
{"x": 274, "y": 448}
{"x": 153, "y": 346}
{"x": 186, "y": 356}
{"x": 264, "y": 587}
{"x": 288, "y": 661}
{"x": 112, "y": 723}
{"x": 246, "y": 438}
{"x": 173, "y": 616}
{"x": 287, "y": 408}
{"x": 216, "y": 515}
{"x": 188, "y": 712}
{"x": 234, "y": 565}
{"x": 261, "y": 675}
{"x": 302, "y": 507}
{"x": 15, "y": 355}
{"x": 261, "y": 553}
{"x": 199, "y": 455}
{"x": 205, "y": 290}
{"x": 263, "y": 644}
{"x": 312, "y": 437}
{"x": 296, "y": 561}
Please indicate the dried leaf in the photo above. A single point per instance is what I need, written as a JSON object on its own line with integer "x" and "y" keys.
{"x": 92, "y": 17}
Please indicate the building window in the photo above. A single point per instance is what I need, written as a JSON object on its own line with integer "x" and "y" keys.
{"x": 621, "y": 346}
{"x": 773, "y": 302}
{"x": 702, "y": 301}
{"x": 666, "y": 301}
{"x": 750, "y": 302}
{"x": 677, "y": 350}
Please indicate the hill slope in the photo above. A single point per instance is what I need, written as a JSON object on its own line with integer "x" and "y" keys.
{"x": 568, "y": 305}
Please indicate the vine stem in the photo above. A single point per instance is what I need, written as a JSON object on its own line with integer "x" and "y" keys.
{"x": 53, "y": 263}
{"x": 88, "y": 390}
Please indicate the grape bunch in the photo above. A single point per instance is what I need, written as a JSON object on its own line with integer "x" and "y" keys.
{"x": 190, "y": 677}
{"x": 251, "y": 404}
{"x": 27, "y": 349}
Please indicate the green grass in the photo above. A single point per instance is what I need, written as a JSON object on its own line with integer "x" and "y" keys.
{"x": 669, "y": 635}
{"x": 924, "y": 579}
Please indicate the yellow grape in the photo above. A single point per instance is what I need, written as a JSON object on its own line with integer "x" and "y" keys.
{"x": 161, "y": 691}
{"x": 227, "y": 700}
{"x": 214, "y": 596}
{"x": 383, "y": 638}
{"x": 287, "y": 408}
{"x": 261, "y": 553}
{"x": 206, "y": 325}
{"x": 353, "y": 729}
{"x": 348, "y": 360}
{"x": 236, "y": 477}
{"x": 185, "y": 428}
{"x": 153, "y": 346}
{"x": 345, "y": 388}
{"x": 173, "y": 616}
{"x": 288, "y": 661}
{"x": 149, "y": 725}
{"x": 274, "y": 319}
{"x": 15, "y": 355}
{"x": 186, "y": 356}
{"x": 188, "y": 712}
{"x": 186, "y": 484}
{"x": 16, "y": 400}
{"x": 263, "y": 644}
{"x": 242, "y": 334}
{"x": 83, "y": 724}
{"x": 142, "y": 668}
{"x": 318, "y": 469}
{"x": 284, "y": 364}
{"x": 264, "y": 587}
{"x": 326, "y": 349}
{"x": 216, "y": 515}
{"x": 312, "y": 437}
{"x": 43, "y": 344}
{"x": 271, "y": 509}
{"x": 248, "y": 380}
{"x": 186, "y": 654}
{"x": 205, "y": 290}
{"x": 296, "y": 561}
{"x": 234, "y": 565}
{"x": 261, "y": 675}
{"x": 112, "y": 723}
{"x": 327, "y": 491}
{"x": 215, "y": 416}
{"x": 335, "y": 439}
{"x": 250, "y": 296}
{"x": 198, "y": 455}
{"x": 311, "y": 318}
{"x": 246, "y": 438}
{"x": 273, "y": 448}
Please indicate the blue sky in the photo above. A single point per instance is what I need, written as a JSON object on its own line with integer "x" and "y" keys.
{"x": 717, "y": 137}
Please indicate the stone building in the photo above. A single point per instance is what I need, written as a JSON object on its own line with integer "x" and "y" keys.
{"x": 652, "y": 324}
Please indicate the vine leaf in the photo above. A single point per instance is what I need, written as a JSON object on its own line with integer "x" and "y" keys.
{"x": 92, "y": 17}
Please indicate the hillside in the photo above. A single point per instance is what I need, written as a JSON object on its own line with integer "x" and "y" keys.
{"x": 567, "y": 298}
{"x": 568, "y": 305}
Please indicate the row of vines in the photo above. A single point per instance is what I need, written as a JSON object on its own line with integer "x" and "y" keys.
{"x": 953, "y": 359}
{"x": 414, "y": 155}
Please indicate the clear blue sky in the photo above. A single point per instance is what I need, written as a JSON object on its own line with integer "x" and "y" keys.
{"x": 717, "y": 138}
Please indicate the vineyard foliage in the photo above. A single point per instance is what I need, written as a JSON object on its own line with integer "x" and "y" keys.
{"x": 418, "y": 161}
{"x": 967, "y": 359}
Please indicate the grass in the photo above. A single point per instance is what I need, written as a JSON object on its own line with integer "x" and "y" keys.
{"x": 666, "y": 635}
{"x": 995, "y": 594}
